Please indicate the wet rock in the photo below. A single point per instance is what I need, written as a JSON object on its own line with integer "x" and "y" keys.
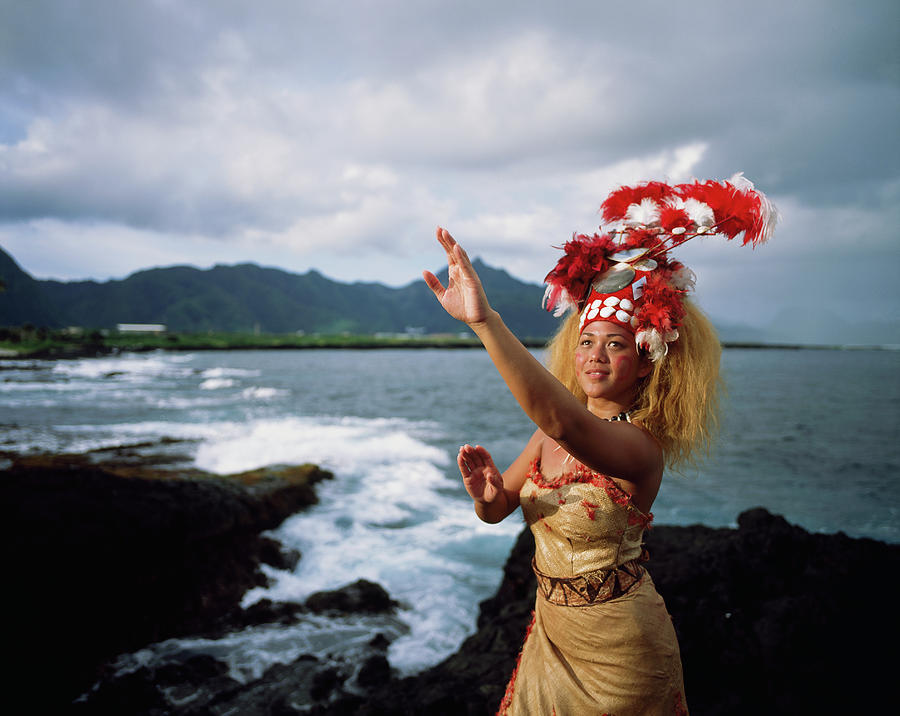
{"x": 361, "y": 596}
{"x": 324, "y": 683}
{"x": 185, "y": 685}
{"x": 105, "y": 558}
{"x": 276, "y": 555}
{"x": 265, "y": 611}
{"x": 375, "y": 671}
{"x": 282, "y": 689}
{"x": 770, "y": 619}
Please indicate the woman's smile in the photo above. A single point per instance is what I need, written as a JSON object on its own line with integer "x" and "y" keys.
{"x": 596, "y": 373}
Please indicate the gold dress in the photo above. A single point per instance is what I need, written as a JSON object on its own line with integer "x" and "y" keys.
{"x": 601, "y": 641}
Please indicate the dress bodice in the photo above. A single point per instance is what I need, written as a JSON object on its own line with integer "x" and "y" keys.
{"x": 582, "y": 521}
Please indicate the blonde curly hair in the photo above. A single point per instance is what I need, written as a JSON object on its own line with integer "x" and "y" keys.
{"x": 678, "y": 401}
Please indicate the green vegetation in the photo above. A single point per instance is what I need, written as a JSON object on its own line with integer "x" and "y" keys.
{"x": 249, "y": 299}
{"x": 30, "y": 342}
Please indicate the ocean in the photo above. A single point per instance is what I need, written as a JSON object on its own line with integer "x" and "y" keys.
{"x": 808, "y": 434}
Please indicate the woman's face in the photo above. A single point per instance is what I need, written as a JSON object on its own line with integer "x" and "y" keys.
{"x": 608, "y": 364}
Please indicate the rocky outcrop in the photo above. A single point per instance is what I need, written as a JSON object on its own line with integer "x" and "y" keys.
{"x": 105, "y": 558}
{"x": 770, "y": 618}
{"x": 199, "y": 685}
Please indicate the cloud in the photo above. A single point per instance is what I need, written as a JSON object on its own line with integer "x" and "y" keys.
{"x": 337, "y": 135}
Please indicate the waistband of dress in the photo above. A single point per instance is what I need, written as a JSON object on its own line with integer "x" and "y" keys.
{"x": 591, "y": 588}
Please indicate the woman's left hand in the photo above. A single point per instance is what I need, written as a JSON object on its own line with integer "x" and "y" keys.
{"x": 464, "y": 297}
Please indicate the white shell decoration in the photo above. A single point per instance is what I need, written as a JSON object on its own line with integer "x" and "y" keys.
{"x": 678, "y": 230}
{"x": 633, "y": 321}
{"x": 592, "y": 313}
{"x": 611, "y": 301}
{"x": 607, "y": 311}
{"x": 623, "y": 316}
{"x": 626, "y": 304}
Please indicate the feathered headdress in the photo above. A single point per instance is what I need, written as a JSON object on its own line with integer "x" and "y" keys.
{"x": 626, "y": 276}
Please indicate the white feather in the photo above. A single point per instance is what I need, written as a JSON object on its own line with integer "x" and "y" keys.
{"x": 700, "y": 213}
{"x": 770, "y": 216}
{"x": 546, "y": 296}
{"x": 653, "y": 342}
{"x": 644, "y": 214}
{"x": 740, "y": 182}
{"x": 683, "y": 279}
{"x": 563, "y": 303}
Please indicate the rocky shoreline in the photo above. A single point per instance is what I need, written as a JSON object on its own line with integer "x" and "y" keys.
{"x": 108, "y": 556}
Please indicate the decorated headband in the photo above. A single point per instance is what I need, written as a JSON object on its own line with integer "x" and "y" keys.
{"x": 626, "y": 276}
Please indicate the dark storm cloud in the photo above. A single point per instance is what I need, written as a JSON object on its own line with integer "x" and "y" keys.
{"x": 313, "y": 130}
{"x": 808, "y": 91}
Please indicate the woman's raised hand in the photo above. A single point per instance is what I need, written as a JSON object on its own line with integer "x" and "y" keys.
{"x": 464, "y": 297}
{"x": 482, "y": 479}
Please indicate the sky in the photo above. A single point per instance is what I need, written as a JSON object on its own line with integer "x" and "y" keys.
{"x": 338, "y": 135}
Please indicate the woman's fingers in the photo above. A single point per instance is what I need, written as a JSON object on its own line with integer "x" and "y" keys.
{"x": 455, "y": 252}
{"x": 447, "y": 241}
{"x": 465, "y": 467}
{"x": 475, "y": 456}
{"x": 483, "y": 454}
{"x": 434, "y": 283}
{"x": 483, "y": 481}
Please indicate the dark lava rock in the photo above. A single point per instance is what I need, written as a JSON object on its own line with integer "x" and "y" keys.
{"x": 200, "y": 686}
{"x": 276, "y": 555}
{"x": 105, "y": 558}
{"x": 773, "y": 619}
{"x": 360, "y": 596}
{"x": 770, "y": 618}
{"x": 265, "y": 611}
{"x": 375, "y": 671}
{"x": 195, "y": 681}
{"x": 99, "y": 560}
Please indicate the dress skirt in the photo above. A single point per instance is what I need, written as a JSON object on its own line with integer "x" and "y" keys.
{"x": 618, "y": 657}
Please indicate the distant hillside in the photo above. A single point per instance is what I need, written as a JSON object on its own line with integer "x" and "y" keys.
{"x": 248, "y": 297}
{"x": 22, "y": 299}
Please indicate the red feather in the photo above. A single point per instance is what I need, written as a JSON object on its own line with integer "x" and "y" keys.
{"x": 617, "y": 203}
{"x": 584, "y": 257}
{"x": 671, "y": 217}
{"x": 661, "y": 306}
{"x": 735, "y": 211}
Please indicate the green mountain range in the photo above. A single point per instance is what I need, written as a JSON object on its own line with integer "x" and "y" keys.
{"x": 247, "y": 297}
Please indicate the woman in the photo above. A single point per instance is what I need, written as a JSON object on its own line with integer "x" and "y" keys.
{"x": 632, "y": 388}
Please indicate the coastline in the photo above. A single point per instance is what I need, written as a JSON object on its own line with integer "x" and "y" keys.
{"x": 770, "y": 619}
{"x": 96, "y": 345}
{"x": 109, "y": 553}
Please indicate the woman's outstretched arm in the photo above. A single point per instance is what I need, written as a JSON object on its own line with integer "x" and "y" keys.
{"x": 616, "y": 449}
